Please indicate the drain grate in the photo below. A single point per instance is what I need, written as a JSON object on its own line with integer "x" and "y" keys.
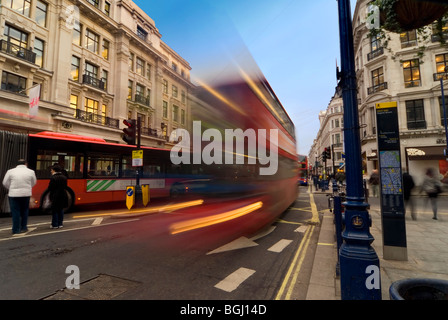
{"x": 102, "y": 287}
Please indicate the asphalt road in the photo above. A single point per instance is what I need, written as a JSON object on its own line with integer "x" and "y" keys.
{"x": 138, "y": 258}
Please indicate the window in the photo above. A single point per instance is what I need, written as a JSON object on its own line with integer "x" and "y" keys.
{"x": 174, "y": 88}
{"x": 141, "y": 33}
{"x": 92, "y": 41}
{"x": 140, "y": 90}
{"x": 21, "y": 6}
{"x": 91, "y": 106}
{"x": 104, "y": 165}
{"x": 75, "y": 68}
{"x": 91, "y": 70}
{"x": 140, "y": 67}
{"x": 74, "y": 103}
{"x": 105, "y": 50}
{"x": 415, "y": 114}
{"x": 411, "y": 73}
{"x": 182, "y": 117}
{"x": 165, "y": 86}
{"x": 12, "y": 82}
{"x": 95, "y": 3}
{"x": 130, "y": 85}
{"x": 16, "y": 37}
{"x": 72, "y": 162}
{"x": 174, "y": 66}
{"x": 41, "y": 13}
{"x": 441, "y": 64}
{"x": 377, "y": 76}
{"x": 107, "y": 8}
{"x": 76, "y": 34}
{"x": 103, "y": 114}
{"x": 175, "y": 113}
{"x": 131, "y": 62}
{"x": 375, "y": 43}
{"x": 39, "y": 51}
{"x": 183, "y": 96}
{"x": 105, "y": 76}
{"x": 408, "y": 39}
{"x": 165, "y": 109}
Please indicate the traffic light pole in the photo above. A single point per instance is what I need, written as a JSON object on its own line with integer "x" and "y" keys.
{"x": 359, "y": 263}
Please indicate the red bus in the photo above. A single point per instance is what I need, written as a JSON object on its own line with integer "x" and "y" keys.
{"x": 98, "y": 171}
{"x": 303, "y": 170}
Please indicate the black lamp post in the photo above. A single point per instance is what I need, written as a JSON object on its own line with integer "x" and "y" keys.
{"x": 359, "y": 263}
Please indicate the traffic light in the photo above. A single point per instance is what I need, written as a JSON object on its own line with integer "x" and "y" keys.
{"x": 328, "y": 153}
{"x": 129, "y": 132}
{"x": 324, "y": 156}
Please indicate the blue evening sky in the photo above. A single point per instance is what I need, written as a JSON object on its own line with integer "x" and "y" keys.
{"x": 295, "y": 43}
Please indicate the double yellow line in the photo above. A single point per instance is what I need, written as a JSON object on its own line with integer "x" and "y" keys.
{"x": 290, "y": 280}
{"x": 294, "y": 268}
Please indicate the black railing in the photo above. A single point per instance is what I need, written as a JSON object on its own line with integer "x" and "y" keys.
{"x": 375, "y": 53}
{"x": 149, "y": 132}
{"x": 96, "y": 119}
{"x": 17, "y": 51}
{"x": 94, "y": 82}
{"x": 418, "y": 124}
{"x": 377, "y": 88}
{"x": 139, "y": 98}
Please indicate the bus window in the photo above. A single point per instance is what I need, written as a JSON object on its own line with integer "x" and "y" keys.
{"x": 102, "y": 166}
{"x": 152, "y": 171}
{"x": 127, "y": 171}
{"x": 71, "y": 162}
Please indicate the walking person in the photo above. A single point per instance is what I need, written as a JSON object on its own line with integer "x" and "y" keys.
{"x": 20, "y": 182}
{"x": 58, "y": 196}
{"x": 374, "y": 181}
{"x": 432, "y": 186}
{"x": 408, "y": 185}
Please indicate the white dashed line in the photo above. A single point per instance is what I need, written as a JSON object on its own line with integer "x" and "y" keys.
{"x": 232, "y": 281}
{"x": 279, "y": 246}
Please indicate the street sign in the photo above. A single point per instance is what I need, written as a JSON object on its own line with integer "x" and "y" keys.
{"x": 130, "y": 197}
{"x": 392, "y": 201}
{"x": 145, "y": 194}
{"x": 137, "y": 158}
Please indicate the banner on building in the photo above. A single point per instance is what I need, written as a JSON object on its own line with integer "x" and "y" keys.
{"x": 34, "y": 96}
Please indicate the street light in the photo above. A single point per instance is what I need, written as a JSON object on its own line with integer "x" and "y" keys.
{"x": 359, "y": 263}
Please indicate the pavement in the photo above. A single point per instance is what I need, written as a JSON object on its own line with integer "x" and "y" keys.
{"x": 427, "y": 251}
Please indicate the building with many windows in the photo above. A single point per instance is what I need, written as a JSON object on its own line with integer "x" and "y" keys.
{"x": 395, "y": 68}
{"x": 97, "y": 62}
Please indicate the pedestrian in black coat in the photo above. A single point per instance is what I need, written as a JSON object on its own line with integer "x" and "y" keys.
{"x": 58, "y": 196}
{"x": 408, "y": 185}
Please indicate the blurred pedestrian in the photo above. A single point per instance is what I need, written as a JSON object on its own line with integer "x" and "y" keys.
{"x": 63, "y": 171}
{"x": 408, "y": 185}
{"x": 20, "y": 182}
{"x": 432, "y": 186}
{"x": 58, "y": 196}
{"x": 374, "y": 181}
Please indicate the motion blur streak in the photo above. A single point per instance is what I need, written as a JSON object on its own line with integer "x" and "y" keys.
{"x": 208, "y": 221}
{"x": 222, "y": 98}
{"x": 169, "y": 207}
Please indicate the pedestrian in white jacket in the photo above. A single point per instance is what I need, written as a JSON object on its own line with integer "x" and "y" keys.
{"x": 20, "y": 182}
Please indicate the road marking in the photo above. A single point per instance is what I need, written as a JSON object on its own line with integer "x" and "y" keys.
{"x": 307, "y": 209}
{"x": 240, "y": 243}
{"x": 26, "y": 235}
{"x": 232, "y": 281}
{"x": 279, "y": 246}
{"x": 290, "y": 222}
{"x": 295, "y": 266}
{"x": 301, "y": 229}
{"x": 325, "y": 244}
{"x": 97, "y": 221}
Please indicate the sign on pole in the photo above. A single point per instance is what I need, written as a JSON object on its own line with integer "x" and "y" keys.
{"x": 130, "y": 197}
{"x": 137, "y": 158}
{"x": 392, "y": 201}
